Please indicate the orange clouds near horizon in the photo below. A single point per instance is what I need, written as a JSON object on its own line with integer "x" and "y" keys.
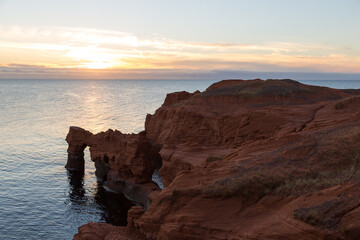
{"x": 85, "y": 50}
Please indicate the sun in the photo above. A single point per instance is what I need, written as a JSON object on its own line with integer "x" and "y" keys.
{"x": 92, "y": 58}
{"x": 97, "y": 65}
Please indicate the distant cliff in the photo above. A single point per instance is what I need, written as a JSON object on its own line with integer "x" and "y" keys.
{"x": 254, "y": 159}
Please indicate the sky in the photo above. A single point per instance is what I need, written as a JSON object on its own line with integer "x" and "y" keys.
{"x": 116, "y": 39}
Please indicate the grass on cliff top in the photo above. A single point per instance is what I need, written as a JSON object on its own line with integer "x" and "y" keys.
{"x": 332, "y": 166}
{"x": 269, "y": 87}
{"x": 344, "y": 103}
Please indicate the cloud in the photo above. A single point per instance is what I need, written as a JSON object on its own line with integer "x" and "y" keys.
{"x": 85, "y": 48}
{"x": 16, "y": 71}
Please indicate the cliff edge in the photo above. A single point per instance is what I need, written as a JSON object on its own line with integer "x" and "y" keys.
{"x": 254, "y": 159}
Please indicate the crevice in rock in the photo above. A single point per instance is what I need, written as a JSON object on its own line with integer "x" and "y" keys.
{"x": 311, "y": 119}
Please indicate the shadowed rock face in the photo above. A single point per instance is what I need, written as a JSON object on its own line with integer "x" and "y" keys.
{"x": 256, "y": 159}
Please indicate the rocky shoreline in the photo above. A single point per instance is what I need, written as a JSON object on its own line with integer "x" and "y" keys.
{"x": 253, "y": 159}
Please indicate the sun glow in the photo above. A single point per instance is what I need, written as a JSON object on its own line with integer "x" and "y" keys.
{"x": 97, "y": 65}
{"x": 83, "y": 48}
{"x": 92, "y": 57}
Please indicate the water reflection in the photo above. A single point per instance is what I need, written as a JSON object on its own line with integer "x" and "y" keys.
{"x": 76, "y": 185}
{"x": 113, "y": 207}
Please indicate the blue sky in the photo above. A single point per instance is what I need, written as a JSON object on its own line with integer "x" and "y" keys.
{"x": 193, "y": 36}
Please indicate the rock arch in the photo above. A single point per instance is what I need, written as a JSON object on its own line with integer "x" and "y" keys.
{"x": 125, "y": 161}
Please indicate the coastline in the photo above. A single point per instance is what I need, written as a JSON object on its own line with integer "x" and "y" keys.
{"x": 238, "y": 147}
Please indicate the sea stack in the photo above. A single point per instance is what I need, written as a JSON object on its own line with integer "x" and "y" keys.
{"x": 77, "y": 139}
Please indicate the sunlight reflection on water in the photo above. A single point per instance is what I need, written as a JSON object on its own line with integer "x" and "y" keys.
{"x": 38, "y": 198}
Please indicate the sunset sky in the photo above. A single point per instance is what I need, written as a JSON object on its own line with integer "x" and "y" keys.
{"x": 177, "y": 39}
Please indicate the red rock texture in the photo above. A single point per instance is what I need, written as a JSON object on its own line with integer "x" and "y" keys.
{"x": 104, "y": 231}
{"x": 131, "y": 156}
{"x": 99, "y": 231}
{"x": 255, "y": 160}
{"x": 229, "y": 114}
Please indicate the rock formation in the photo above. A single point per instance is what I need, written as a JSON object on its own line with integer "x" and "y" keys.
{"x": 125, "y": 161}
{"x": 255, "y": 159}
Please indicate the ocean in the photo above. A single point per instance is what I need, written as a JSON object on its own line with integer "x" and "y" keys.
{"x": 39, "y": 198}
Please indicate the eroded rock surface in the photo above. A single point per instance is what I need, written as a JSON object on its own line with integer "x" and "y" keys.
{"x": 256, "y": 159}
{"x": 132, "y": 156}
{"x": 125, "y": 161}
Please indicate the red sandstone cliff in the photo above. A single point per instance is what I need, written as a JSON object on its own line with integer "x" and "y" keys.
{"x": 251, "y": 160}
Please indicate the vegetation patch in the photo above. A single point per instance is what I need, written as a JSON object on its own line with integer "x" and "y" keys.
{"x": 214, "y": 158}
{"x": 313, "y": 181}
{"x": 328, "y": 214}
{"x": 264, "y": 88}
{"x": 344, "y": 151}
{"x": 337, "y": 163}
{"x": 324, "y": 215}
{"x": 255, "y": 186}
{"x": 344, "y": 103}
{"x": 312, "y": 216}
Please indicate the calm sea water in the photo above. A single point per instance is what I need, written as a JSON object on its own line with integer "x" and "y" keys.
{"x": 39, "y": 199}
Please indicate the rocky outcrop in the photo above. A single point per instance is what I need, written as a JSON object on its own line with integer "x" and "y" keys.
{"x": 100, "y": 231}
{"x": 125, "y": 161}
{"x": 229, "y": 114}
{"x": 256, "y": 159}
